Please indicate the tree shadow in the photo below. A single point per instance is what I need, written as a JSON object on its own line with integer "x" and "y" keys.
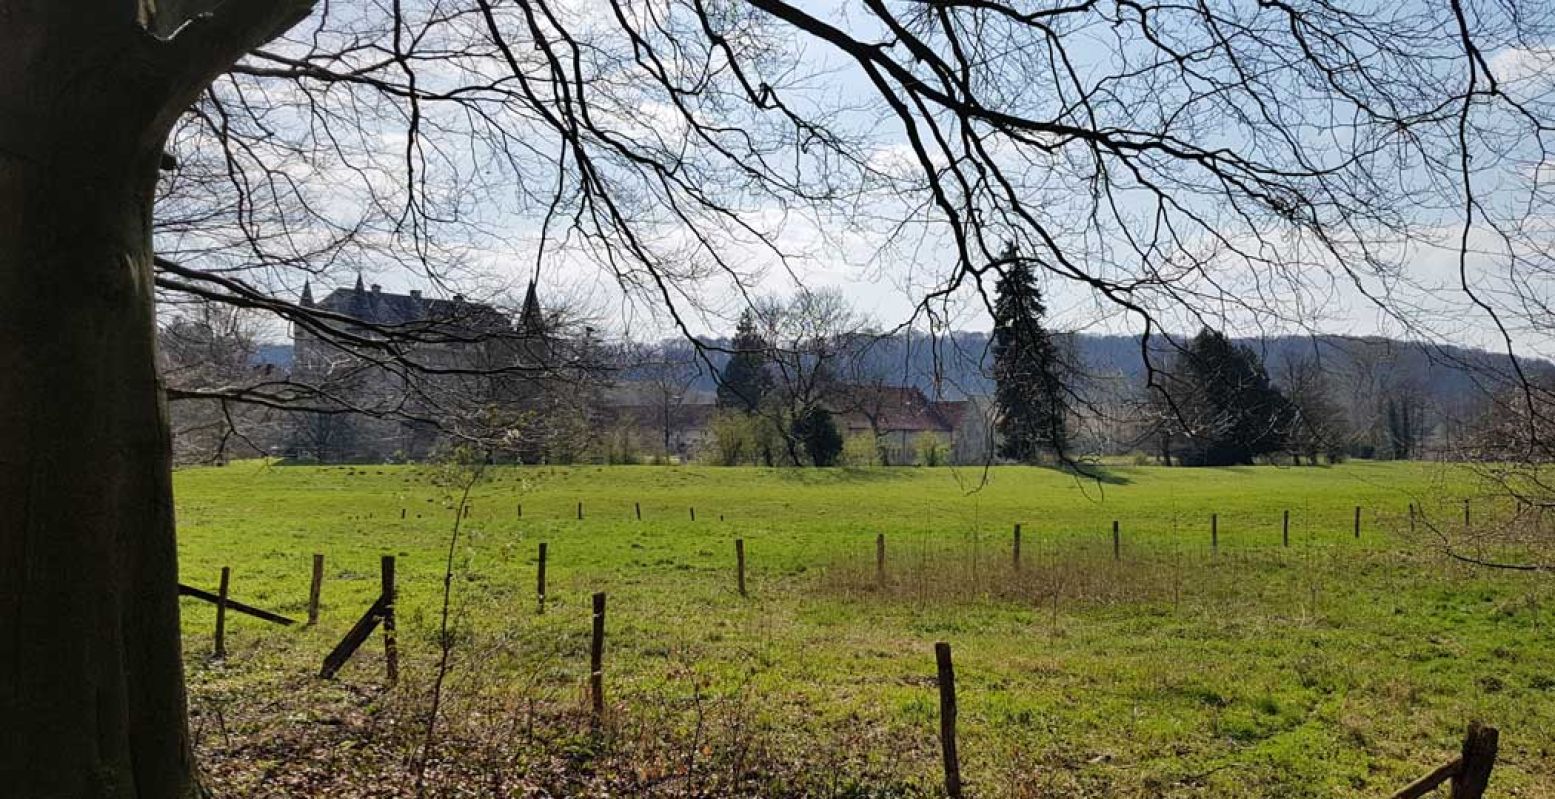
{"x": 1092, "y": 471}
{"x": 810, "y": 475}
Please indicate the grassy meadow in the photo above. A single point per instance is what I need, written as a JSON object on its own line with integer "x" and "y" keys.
{"x": 1335, "y": 666}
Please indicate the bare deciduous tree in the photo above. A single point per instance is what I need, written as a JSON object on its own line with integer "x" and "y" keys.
{"x": 1183, "y": 165}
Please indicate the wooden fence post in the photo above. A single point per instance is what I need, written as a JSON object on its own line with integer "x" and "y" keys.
{"x": 1411, "y": 517}
{"x": 1465, "y": 514}
{"x": 316, "y": 588}
{"x": 1285, "y": 528}
{"x": 580, "y": 511}
{"x": 693, "y": 513}
{"x": 639, "y": 507}
{"x": 1016, "y": 554}
{"x": 402, "y": 513}
{"x": 540, "y": 579}
{"x": 391, "y": 647}
{"x": 1468, "y": 773}
{"x": 1479, "y": 757}
{"x": 1117, "y": 542}
{"x": 520, "y": 510}
{"x": 739, "y": 557}
{"x": 221, "y": 614}
{"x": 880, "y": 559}
{"x": 597, "y": 663}
{"x": 1214, "y": 533}
{"x": 947, "y": 719}
{"x": 1357, "y": 521}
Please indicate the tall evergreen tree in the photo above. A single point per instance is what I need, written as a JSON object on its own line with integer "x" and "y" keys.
{"x": 1231, "y": 411}
{"x": 1029, "y": 388}
{"x": 745, "y": 379}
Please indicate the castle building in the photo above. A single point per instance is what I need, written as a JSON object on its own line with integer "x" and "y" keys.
{"x": 399, "y": 376}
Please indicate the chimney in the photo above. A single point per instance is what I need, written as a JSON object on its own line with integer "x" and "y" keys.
{"x": 377, "y": 288}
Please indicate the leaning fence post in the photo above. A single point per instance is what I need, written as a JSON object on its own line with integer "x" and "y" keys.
{"x": 597, "y": 662}
{"x": 880, "y": 559}
{"x": 540, "y": 579}
{"x": 947, "y": 719}
{"x": 391, "y": 649}
{"x": 1015, "y": 555}
{"x": 1479, "y": 757}
{"x": 316, "y": 588}
{"x": 221, "y": 614}
{"x": 1117, "y": 542}
{"x": 739, "y": 557}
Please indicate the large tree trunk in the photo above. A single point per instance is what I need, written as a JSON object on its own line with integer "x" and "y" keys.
{"x": 91, "y": 683}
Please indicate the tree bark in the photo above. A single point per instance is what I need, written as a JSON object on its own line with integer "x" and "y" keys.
{"x": 92, "y": 700}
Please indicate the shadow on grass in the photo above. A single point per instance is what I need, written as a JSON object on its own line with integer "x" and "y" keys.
{"x": 1093, "y": 471}
{"x": 843, "y": 475}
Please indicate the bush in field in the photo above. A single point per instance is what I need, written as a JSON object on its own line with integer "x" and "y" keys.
{"x": 732, "y": 441}
{"x": 933, "y": 449}
{"x": 817, "y": 433}
{"x": 860, "y": 451}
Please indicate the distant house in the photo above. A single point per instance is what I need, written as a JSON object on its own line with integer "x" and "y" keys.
{"x": 675, "y": 431}
{"x": 470, "y": 371}
{"x": 903, "y": 422}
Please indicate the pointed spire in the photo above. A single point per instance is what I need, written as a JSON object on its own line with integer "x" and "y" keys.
{"x": 531, "y": 319}
{"x": 307, "y": 294}
{"x": 359, "y": 287}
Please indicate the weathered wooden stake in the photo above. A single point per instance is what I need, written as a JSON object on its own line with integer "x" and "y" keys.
{"x": 1465, "y": 514}
{"x": 402, "y": 513}
{"x": 947, "y": 719}
{"x": 1469, "y": 773}
{"x": 315, "y": 589}
{"x": 391, "y": 647}
{"x": 880, "y": 558}
{"x": 520, "y": 510}
{"x": 221, "y": 614}
{"x": 1015, "y": 555}
{"x": 1117, "y": 542}
{"x": 739, "y": 558}
{"x": 1479, "y": 757}
{"x": 597, "y": 662}
{"x": 1214, "y": 533}
{"x": 639, "y": 507}
{"x": 1357, "y": 521}
{"x": 580, "y": 511}
{"x": 540, "y": 579}
{"x": 693, "y": 513}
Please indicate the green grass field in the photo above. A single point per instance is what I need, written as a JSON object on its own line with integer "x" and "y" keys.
{"x": 1335, "y": 666}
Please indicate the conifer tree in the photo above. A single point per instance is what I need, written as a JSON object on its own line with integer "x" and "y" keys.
{"x": 745, "y": 380}
{"x": 1029, "y": 390}
{"x": 1231, "y": 411}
